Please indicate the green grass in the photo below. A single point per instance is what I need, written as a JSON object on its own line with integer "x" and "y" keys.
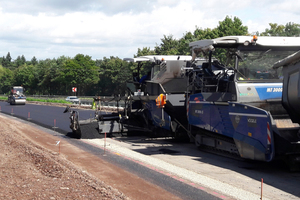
{"x": 3, "y": 98}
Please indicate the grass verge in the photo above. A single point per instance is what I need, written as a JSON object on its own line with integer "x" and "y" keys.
{"x": 41, "y": 100}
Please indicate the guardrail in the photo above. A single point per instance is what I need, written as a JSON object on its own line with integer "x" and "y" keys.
{"x": 85, "y": 101}
{"x": 109, "y": 105}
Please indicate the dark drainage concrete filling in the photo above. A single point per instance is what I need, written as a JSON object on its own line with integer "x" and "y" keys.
{"x": 168, "y": 151}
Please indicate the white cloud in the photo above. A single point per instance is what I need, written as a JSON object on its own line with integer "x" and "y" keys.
{"x": 51, "y": 28}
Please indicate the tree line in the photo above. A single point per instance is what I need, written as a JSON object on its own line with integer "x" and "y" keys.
{"x": 107, "y": 76}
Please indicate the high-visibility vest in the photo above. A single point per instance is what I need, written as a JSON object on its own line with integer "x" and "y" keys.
{"x": 161, "y": 101}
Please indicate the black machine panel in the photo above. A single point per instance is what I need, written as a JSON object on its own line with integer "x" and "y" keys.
{"x": 291, "y": 92}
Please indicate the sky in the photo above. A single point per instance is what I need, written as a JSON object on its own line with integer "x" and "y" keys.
{"x": 104, "y": 28}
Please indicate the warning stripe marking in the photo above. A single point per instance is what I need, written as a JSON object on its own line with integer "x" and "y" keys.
{"x": 269, "y": 133}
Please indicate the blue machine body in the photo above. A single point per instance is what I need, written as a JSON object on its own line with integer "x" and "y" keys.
{"x": 237, "y": 106}
{"x": 250, "y": 127}
{"x": 157, "y": 115}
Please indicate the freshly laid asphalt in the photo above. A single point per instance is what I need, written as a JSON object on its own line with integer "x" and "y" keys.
{"x": 46, "y": 116}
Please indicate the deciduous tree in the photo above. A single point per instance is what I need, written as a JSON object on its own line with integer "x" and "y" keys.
{"x": 80, "y": 72}
{"x": 6, "y": 79}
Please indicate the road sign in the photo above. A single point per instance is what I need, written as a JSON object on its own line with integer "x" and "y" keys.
{"x": 74, "y": 89}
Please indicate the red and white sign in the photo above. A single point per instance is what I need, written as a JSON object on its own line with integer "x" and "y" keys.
{"x": 74, "y": 89}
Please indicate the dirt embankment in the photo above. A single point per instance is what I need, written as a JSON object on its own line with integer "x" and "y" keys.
{"x": 29, "y": 171}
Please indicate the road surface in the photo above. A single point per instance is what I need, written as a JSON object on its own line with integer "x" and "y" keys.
{"x": 218, "y": 174}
